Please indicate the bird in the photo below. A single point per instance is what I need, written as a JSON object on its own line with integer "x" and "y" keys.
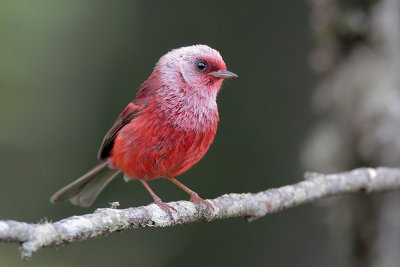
{"x": 164, "y": 131}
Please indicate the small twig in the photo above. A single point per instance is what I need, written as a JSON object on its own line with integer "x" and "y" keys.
{"x": 251, "y": 206}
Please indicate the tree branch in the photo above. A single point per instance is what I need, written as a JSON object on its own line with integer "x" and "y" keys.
{"x": 32, "y": 237}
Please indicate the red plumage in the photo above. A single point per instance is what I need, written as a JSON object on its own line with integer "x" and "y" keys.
{"x": 163, "y": 132}
{"x": 150, "y": 146}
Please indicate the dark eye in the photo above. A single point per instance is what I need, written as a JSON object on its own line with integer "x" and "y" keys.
{"x": 201, "y": 65}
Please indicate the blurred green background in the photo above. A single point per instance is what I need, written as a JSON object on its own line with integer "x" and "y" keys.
{"x": 68, "y": 68}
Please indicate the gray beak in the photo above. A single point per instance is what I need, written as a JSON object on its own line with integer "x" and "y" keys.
{"x": 223, "y": 74}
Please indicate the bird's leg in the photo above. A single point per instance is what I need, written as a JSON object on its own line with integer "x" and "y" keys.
{"x": 194, "y": 197}
{"x": 157, "y": 200}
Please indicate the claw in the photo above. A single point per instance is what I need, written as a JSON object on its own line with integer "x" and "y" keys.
{"x": 194, "y": 197}
{"x": 167, "y": 208}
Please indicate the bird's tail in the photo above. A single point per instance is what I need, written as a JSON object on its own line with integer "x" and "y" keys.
{"x": 84, "y": 191}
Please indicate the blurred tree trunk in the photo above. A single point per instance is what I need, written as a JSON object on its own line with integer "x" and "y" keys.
{"x": 357, "y": 58}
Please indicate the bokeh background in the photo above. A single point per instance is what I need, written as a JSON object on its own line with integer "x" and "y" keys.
{"x": 68, "y": 68}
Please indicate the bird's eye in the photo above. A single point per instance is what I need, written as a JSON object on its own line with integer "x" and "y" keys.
{"x": 201, "y": 65}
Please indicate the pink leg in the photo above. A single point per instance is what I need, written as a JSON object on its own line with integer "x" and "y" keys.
{"x": 194, "y": 197}
{"x": 167, "y": 208}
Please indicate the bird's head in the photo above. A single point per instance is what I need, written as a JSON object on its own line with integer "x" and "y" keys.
{"x": 197, "y": 67}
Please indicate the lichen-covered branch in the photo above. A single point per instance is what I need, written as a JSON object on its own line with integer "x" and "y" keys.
{"x": 32, "y": 237}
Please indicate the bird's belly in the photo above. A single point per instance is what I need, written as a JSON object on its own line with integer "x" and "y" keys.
{"x": 157, "y": 151}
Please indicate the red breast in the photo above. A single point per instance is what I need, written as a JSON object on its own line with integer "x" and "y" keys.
{"x": 150, "y": 147}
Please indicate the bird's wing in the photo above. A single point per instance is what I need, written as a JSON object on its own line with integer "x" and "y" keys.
{"x": 130, "y": 112}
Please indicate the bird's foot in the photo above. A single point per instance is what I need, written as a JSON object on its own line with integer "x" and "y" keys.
{"x": 165, "y": 207}
{"x": 194, "y": 197}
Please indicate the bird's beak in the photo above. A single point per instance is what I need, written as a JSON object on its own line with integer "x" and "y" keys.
{"x": 223, "y": 74}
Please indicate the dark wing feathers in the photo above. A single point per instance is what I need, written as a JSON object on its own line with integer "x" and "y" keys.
{"x": 144, "y": 95}
{"x": 129, "y": 113}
